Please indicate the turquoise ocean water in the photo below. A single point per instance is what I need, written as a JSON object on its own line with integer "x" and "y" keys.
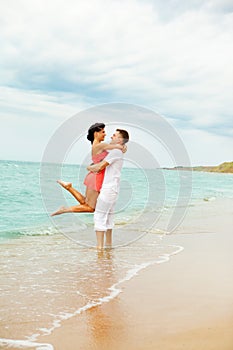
{"x": 47, "y": 278}
{"x": 25, "y": 211}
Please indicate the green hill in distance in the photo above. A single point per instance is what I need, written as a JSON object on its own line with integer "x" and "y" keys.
{"x": 226, "y": 167}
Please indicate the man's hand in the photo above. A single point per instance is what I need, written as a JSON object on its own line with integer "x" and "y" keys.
{"x": 96, "y": 168}
{"x": 93, "y": 168}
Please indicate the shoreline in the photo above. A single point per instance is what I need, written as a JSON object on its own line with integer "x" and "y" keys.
{"x": 186, "y": 303}
{"x": 184, "y": 300}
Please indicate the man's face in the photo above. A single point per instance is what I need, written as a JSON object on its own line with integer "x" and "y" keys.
{"x": 117, "y": 138}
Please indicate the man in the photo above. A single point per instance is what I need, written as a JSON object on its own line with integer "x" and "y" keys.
{"x": 103, "y": 216}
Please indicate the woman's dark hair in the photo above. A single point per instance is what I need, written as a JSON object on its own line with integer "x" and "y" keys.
{"x": 93, "y": 128}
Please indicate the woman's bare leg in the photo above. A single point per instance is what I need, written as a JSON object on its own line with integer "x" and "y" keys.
{"x": 91, "y": 197}
{"x": 77, "y": 195}
{"x": 82, "y": 208}
{"x": 87, "y": 207}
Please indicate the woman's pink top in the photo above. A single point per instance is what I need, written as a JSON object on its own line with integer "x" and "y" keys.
{"x": 93, "y": 180}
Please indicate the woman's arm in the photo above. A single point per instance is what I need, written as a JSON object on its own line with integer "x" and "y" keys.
{"x": 108, "y": 146}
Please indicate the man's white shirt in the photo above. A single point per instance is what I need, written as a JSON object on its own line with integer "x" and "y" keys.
{"x": 113, "y": 170}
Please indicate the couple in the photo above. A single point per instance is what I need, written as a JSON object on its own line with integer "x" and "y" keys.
{"x": 102, "y": 182}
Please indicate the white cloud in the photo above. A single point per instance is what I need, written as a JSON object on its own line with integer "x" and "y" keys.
{"x": 174, "y": 57}
{"x": 45, "y": 105}
{"x": 28, "y": 120}
{"x": 205, "y": 148}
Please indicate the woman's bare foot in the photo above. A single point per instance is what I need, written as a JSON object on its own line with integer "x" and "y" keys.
{"x": 64, "y": 184}
{"x": 61, "y": 210}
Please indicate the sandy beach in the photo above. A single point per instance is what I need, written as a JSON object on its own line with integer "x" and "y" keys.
{"x": 185, "y": 303}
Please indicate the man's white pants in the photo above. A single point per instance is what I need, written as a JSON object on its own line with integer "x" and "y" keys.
{"x": 103, "y": 216}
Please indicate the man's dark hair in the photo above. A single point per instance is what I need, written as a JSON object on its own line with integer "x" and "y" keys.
{"x": 93, "y": 128}
{"x": 124, "y": 134}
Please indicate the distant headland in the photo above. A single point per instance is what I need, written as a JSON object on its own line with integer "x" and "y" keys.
{"x": 226, "y": 167}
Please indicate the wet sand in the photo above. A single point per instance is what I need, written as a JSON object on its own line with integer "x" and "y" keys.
{"x": 185, "y": 303}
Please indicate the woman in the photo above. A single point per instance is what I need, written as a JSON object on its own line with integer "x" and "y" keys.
{"x": 93, "y": 181}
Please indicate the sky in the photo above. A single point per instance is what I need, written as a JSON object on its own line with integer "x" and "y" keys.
{"x": 59, "y": 58}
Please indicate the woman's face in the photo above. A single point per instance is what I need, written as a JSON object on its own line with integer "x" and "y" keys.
{"x": 100, "y": 135}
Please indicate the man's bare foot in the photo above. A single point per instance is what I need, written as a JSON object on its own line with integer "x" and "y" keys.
{"x": 61, "y": 210}
{"x": 99, "y": 249}
{"x": 64, "y": 184}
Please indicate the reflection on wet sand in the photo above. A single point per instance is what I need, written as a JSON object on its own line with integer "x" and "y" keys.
{"x": 103, "y": 327}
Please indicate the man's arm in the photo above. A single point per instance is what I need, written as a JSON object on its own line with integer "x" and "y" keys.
{"x": 96, "y": 168}
{"x": 112, "y": 156}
